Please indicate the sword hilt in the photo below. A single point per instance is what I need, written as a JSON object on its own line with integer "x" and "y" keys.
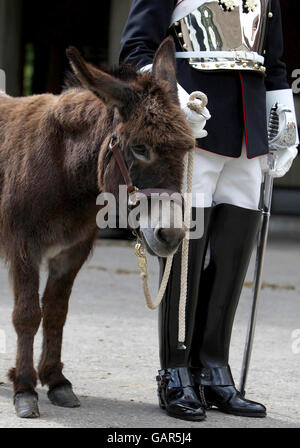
{"x": 273, "y": 125}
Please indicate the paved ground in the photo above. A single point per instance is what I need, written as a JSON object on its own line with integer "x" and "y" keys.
{"x": 110, "y": 347}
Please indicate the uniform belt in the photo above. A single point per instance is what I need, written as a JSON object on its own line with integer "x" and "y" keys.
{"x": 237, "y": 55}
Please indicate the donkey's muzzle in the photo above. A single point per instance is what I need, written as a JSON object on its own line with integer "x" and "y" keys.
{"x": 162, "y": 241}
{"x": 171, "y": 238}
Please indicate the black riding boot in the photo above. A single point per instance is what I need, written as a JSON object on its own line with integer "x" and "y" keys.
{"x": 176, "y": 390}
{"x": 233, "y": 234}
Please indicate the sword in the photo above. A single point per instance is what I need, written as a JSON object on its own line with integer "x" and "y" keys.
{"x": 259, "y": 264}
{"x": 280, "y": 130}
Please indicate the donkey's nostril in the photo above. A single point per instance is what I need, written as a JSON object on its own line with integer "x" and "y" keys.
{"x": 171, "y": 237}
{"x": 161, "y": 235}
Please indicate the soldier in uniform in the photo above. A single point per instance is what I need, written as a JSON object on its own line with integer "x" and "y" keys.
{"x": 231, "y": 51}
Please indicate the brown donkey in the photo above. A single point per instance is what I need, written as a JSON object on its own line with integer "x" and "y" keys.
{"x": 54, "y": 161}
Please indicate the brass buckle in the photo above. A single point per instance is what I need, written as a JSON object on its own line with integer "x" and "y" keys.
{"x": 140, "y": 252}
{"x": 113, "y": 141}
{"x": 133, "y": 199}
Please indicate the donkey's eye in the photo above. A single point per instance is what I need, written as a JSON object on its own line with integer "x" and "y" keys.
{"x": 141, "y": 152}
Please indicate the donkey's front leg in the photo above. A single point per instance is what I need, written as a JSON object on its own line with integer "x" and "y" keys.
{"x": 26, "y": 320}
{"x": 62, "y": 272}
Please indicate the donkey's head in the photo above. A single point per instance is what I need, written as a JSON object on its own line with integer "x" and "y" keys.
{"x": 145, "y": 117}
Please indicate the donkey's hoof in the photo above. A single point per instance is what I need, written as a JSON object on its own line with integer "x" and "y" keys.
{"x": 26, "y": 405}
{"x": 63, "y": 396}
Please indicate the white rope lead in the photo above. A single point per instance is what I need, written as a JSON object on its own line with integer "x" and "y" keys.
{"x": 185, "y": 253}
{"x": 141, "y": 252}
{"x": 141, "y": 255}
{"x": 144, "y": 276}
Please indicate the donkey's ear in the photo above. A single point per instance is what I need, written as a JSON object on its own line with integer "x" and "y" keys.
{"x": 164, "y": 64}
{"x": 111, "y": 90}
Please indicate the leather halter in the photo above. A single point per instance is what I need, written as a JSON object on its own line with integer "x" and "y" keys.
{"x": 133, "y": 190}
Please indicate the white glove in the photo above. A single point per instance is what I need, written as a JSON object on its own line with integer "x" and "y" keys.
{"x": 283, "y": 159}
{"x": 195, "y": 120}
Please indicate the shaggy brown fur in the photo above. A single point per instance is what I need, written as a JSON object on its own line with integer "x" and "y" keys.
{"x": 54, "y": 161}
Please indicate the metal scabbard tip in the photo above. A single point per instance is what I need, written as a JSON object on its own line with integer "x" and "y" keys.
{"x": 181, "y": 346}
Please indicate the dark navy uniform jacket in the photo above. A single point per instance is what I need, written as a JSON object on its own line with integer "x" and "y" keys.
{"x": 237, "y": 99}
